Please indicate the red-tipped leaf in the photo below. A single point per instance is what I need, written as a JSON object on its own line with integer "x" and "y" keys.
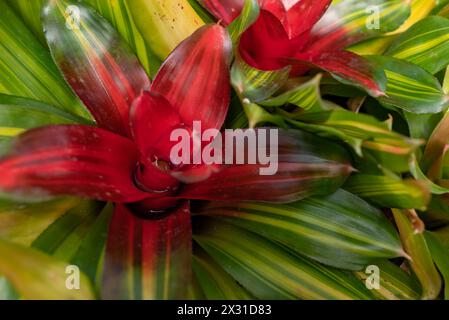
{"x": 349, "y": 68}
{"x": 195, "y": 77}
{"x": 95, "y": 61}
{"x": 71, "y": 160}
{"x": 148, "y": 259}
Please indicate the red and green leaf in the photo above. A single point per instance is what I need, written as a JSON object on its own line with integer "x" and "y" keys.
{"x": 195, "y": 77}
{"x": 351, "y": 21}
{"x": 349, "y": 68}
{"x": 96, "y": 62}
{"x": 71, "y": 160}
{"x": 149, "y": 257}
{"x": 306, "y": 165}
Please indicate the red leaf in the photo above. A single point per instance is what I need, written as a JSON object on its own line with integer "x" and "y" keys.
{"x": 148, "y": 259}
{"x": 298, "y": 16}
{"x": 152, "y": 120}
{"x": 350, "y": 68}
{"x": 266, "y": 42}
{"x": 71, "y": 160}
{"x": 195, "y": 77}
{"x": 96, "y": 62}
{"x": 302, "y": 171}
{"x": 225, "y": 10}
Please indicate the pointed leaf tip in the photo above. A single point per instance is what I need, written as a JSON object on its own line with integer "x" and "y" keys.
{"x": 195, "y": 77}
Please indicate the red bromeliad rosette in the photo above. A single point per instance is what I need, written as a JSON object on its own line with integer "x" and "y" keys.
{"x": 287, "y": 33}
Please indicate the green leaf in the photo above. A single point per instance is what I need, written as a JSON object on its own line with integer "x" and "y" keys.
{"x": 247, "y": 17}
{"x": 23, "y": 223}
{"x": 13, "y": 120}
{"x": 7, "y": 291}
{"x": 257, "y": 115}
{"x": 374, "y": 46}
{"x": 368, "y": 136}
{"x": 305, "y": 95}
{"x": 270, "y": 271}
{"x": 90, "y": 251}
{"x": 436, "y": 147}
{"x": 440, "y": 255}
{"x": 36, "y": 276}
{"x": 164, "y": 24}
{"x": 420, "y": 10}
{"x": 29, "y": 11}
{"x": 341, "y": 230}
{"x": 418, "y": 174}
{"x": 437, "y": 213}
{"x": 421, "y": 260}
{"x": 63, "y": 238}
{"x": 256, "y": 85}
{"x": 395, "y": 283}
{"x": 215, "y": 282}
{"x": 27, "y": 68}
{"x": 388, "y": 192}
{"x": 425, "y": 44}
{"x": 410, "y": 87}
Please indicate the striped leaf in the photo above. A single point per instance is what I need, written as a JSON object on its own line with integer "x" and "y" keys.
{"x": 389, "y": 192}
{"x": 256, "y": 85}
{"x": 341, "y": 230}
{"x": 13, "y": 121}
{"x": 351, "y": 21}
{"x": 29, "y": 11}
{"x": 418, "y": 174}
{"x": 36, "y": 276}
{"x": 440, "y": 5}
{"x": 247, "y": 17}
{"x": 369, "y": 137}
{"x": 70, "y": 230}
{"x": 23, "y": 223}
{"x": 258, "y": 116}
{"x": 395, "y": 283}
{"x": 270, "y": 271}
{"x": 118, "y": 13}
{"x": 215, "y": 282}
{"x": 148, "y": 259}
{"x": 62, "y": 239}
{"x": 306, "y": 166}
{"x": 305, "y": 96}
{"x": 96, "y": 62}
{"x": 416, "y": 246}
{"x": 27, "y": 68}
{"x": 425, "y": 44}
{"x": 164, "y": 24}
{"x": 440, "y": 255}
{"x": 410, "y": 87}
{"x": 374, "y": 46}
{"x": 419, "y": 10}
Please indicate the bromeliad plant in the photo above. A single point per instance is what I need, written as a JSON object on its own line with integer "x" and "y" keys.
{"x": 96, "y": 191}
